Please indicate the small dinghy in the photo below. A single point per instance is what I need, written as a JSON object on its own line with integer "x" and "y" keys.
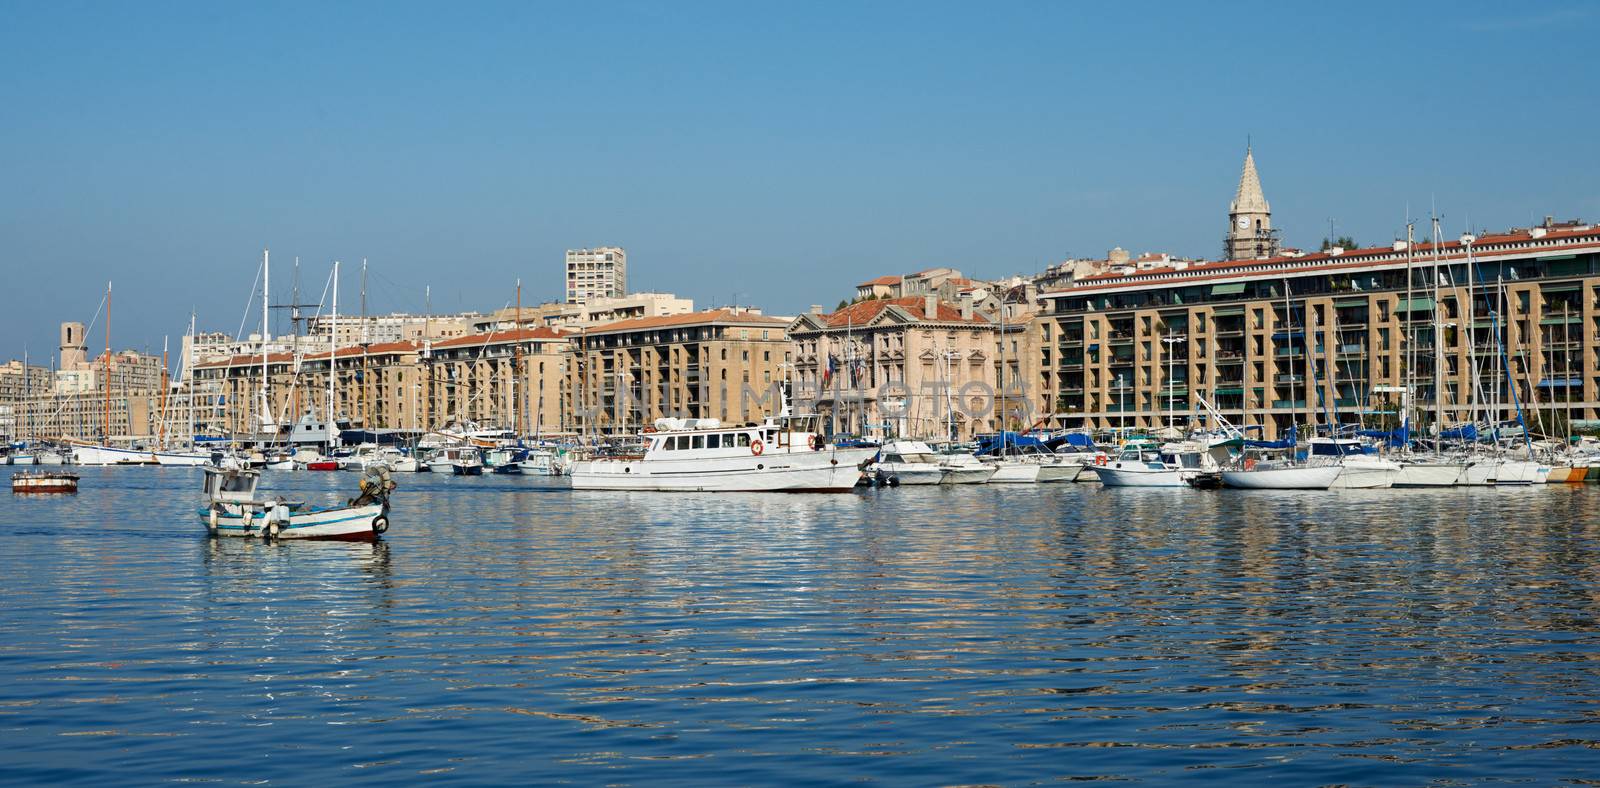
{"x": 233, "y": 508}
{"x": 44, "y": 482}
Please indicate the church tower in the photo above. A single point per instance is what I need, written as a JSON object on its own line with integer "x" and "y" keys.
{"x": 1250, "y": 234}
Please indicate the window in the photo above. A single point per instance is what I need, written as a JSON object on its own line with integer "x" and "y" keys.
{"x": 713, "y": 441}
{"x": 744, "y": 439}
{"x": 681, "y": 442}
{"x": 699, "y": 441}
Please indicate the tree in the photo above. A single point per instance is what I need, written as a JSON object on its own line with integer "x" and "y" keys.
{"x": 842, "y": 304}
{"x": 1343, "y": 242}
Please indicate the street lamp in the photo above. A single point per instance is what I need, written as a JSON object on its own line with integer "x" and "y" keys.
{"x": 1171, "y": 339}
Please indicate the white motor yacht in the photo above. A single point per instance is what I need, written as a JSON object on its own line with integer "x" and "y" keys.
{"x": 786, "y": 454}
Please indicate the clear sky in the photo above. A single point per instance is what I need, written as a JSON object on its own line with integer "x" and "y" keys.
{"x": 771, "y": 153}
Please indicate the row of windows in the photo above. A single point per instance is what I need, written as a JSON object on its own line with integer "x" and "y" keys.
{"x": 726, "y": 440}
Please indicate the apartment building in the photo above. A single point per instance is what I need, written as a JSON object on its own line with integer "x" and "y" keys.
{"x": 601, "y": 272}
{"x": 721, "y": 363}
{"x": 1510, "y": 318}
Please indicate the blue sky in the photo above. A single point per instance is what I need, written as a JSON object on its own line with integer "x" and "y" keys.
{"x": 773, "y": 154}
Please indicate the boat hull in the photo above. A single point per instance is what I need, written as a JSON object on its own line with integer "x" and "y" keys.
{"x": 41, "y": 483}
{"x": 1366, "y": 474}
{"x": 1127, "y": 474}
{"x": 966, "y": 475}
{"x": 1009, "y": 472}
{"x": 1312, "y": 477}
{"x": 828, "y": 470}
{"x": 1059, "y": 472}
{"x": 1429, "y": 474}
{"x": 347, "y": 523}
{"x": 912, "y": 474}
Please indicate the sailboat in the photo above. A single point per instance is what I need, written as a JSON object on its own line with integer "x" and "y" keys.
{"x": 1287, "y": 474}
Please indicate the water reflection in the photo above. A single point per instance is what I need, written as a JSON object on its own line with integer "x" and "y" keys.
{"x": 510, "y": 630}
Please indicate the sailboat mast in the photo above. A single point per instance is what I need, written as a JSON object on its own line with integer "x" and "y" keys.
{"x": 186, "y": 374}
{"x": 516, "y": 362}
{"x": 161, "y": 423}
{"x": 333, "y": 345}
{"x": 106, "y": 424}
{"x": 1438, "y": 342}
{"x": 266, "y": 291}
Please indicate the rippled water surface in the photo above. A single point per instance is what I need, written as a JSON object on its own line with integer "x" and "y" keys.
{"x": 510, "y": 630}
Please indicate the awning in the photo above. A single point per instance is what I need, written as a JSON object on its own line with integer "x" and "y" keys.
{"x": 1228, "y": 392}
{"x": 1227, "y": 311}
{"x": 1228, "y": 288}
{"x": 1562, "y": 287}
{"x": 1346, "y": 303}
{"x": 1415, "y": 304}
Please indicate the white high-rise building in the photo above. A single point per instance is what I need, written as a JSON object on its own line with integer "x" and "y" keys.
{"x": 601, "y": 272}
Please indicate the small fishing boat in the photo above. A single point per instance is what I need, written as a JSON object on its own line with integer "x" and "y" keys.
{"x": 233, "y": 508}
{"x": 44, "y": 482}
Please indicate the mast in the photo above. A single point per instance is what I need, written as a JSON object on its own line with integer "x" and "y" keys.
{"x": 1409, "y": 359}
{"x": 361, "y": 391}
{"x": 161, "y": 424}
{"x": 333, "y": 345}
{"x": 1288, "y": 332}
{"x": 266, "y": 291}
{"x": 187, "y": 374}
{"x": 516, "y": 364}
{"x": 1438, "y": 345}
{"x": 105, "y": 426}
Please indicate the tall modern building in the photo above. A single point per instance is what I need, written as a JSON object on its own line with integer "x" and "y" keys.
{"x": 1250, "y": 234}
{"x": 601, "y": 272}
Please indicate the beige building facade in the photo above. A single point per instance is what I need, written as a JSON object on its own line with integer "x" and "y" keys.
{"x": 904, "y": 367}
{"x": 723, "y": 364}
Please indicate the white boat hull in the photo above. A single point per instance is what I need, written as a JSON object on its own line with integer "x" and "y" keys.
{"x": 828, "y": 470}
{"x": 24, "y": 459}
{"x": 1429, "y": 474}
{"x": 350, "y": 523}
{"x": 912, "y": 473}
{"x": 966, "y": 475}
{"x": 1300, "y": 477}
{"x": 107, "y": 455}
{"x": 182, "y": 458}
{"x": 1131, "y": 474}
{"x": 1059, "y": 471}
{"x": 1366, "y": 473}
{"x": 1013, "y": 472}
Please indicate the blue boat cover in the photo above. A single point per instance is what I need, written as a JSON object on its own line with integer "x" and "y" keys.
{"x": 1287, "y": 442}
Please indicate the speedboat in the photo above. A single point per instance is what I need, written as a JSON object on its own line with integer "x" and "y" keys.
{"x": 233, "y": 508}
{"x": 786, "y": 454}
{"x": 1144, "y": 463}
{"x": 909, "y": 462}
{"x": 457, "y": 460}
{"x": 961, "y": 467}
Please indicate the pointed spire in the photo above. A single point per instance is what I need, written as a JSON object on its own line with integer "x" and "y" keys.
{"x": 1249, "y": 198}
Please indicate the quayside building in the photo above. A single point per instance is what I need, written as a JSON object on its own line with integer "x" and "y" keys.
{"x": 1289, "y": 337}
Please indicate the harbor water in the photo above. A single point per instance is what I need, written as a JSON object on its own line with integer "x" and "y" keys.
{"x": 511, "y": 630}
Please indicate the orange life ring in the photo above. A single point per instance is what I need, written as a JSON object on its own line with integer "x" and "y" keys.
{"x": 816, "y": 443}
{"x": 1249, "y": 463}
{"x": 756, "y": 447}
{"x": 1099, "y": 459}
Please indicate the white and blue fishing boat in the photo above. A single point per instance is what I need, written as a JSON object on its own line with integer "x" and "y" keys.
{"x": 233, "y": 508}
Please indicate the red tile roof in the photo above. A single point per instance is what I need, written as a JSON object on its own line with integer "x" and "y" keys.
{"x": 692, "y": 319}
{"x": 864, "y": 312}
{"x": 882, "y": 280}
{"x": 501, "y": 337}
{"x": 1351, "y": 258}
